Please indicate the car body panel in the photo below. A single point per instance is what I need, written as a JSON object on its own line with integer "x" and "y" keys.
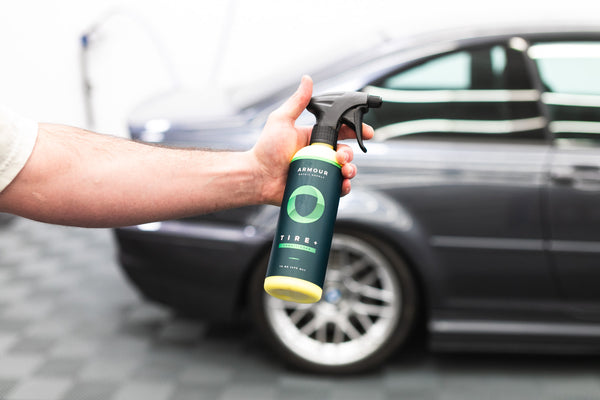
{"x": 195, "y": 267}
{"x": 496, "y": 236}
{"x": 574, "y": 217}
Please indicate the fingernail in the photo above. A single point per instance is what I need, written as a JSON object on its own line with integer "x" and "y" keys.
{"x": 304, "y": 77}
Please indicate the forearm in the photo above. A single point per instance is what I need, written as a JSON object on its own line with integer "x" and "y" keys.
{"x": 75, "y": 177}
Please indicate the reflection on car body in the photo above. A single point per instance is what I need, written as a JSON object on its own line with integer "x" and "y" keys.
{"x": 474, "y": 212}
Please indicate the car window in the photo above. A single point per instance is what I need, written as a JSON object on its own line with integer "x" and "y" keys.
{"x": 479, "y": 93}
{"x": 448, "y": 72}
{"x": 570, "y": 73}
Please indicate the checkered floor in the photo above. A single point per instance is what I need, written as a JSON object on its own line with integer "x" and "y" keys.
{"x": 71, "y": 328}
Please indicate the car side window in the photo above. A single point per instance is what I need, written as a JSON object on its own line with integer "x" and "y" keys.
{"x": 570, "y": 73}
{"x": 480, "y": 93}
{"x": 449, "y": 72}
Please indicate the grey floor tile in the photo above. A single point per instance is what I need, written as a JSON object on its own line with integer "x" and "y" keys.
{"x": 61, "y": 367}
{"x": 117, "y": 370}
{"x": 19, "y": 366}
{"x": 91, "y": 391}
{"x": 75, "y": 347}
{"x": 40, "y": 389}
{"x": 184, "y": 392}
{"x": 146, "y": 391}
{"x": 31, "y": 345}
{"x": 7, "y": 340}
{"x": 249, "y": 392}
{"x": 6, "y": 386}
{"x": 206, "y": 374}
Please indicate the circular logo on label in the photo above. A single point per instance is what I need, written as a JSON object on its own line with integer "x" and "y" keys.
{"x": 315, "y": 214}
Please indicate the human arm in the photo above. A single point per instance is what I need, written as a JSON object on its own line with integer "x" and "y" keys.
{"x": 76, "y": 177}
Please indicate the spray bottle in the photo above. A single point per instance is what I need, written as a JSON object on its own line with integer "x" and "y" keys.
{"x": 300, "y": 251}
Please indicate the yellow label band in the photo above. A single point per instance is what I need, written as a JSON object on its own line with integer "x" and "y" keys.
{"x": 311, "y": 157}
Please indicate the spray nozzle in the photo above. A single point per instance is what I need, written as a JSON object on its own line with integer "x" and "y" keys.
{"x": 333, "y": 109}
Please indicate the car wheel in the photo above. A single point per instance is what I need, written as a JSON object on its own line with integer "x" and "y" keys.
{"x": 366, "y": 312}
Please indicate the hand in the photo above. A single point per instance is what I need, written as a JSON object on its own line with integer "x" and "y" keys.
{"x": 281, "y": 139}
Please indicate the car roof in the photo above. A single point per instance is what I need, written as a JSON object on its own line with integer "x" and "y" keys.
{"x": 408, "y": 47}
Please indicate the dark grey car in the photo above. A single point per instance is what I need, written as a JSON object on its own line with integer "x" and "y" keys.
{"x": 475, "y": 212}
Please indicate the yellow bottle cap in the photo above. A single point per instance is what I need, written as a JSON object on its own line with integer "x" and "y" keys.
{"x": 292, "y": 289}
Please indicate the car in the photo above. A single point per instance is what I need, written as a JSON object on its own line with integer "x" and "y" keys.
{"x": 474, "y": 215}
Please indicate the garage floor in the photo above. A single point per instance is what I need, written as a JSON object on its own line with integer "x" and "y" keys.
{"x": 72, "y": 328}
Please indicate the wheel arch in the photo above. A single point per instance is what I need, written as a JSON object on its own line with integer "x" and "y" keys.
{"x": 387, "y": 220}
{"x": 403, "y": 250}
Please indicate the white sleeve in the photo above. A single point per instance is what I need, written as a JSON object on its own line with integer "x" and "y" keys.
{"x": 17, "y": 138}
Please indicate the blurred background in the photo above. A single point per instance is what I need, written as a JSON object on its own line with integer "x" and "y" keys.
{"x": 138, "y": 49}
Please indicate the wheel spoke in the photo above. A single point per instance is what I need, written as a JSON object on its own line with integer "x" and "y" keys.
{"x": 321, "y": 334}
{"x": 371, "y": 292}
{"x": 349, "y": 329}
{"x": 365, "y": 322}
{"x": 312, "y": 326}
{"x": 369, "y": 279}
{"x": 333, "y": 275}
{"x": 372, "y": 310}
{"x": 352, "y": 268}
{"x": 338, "y": 334}
{"x": 342, "y": 258}
{"x": 297, "y": 315}
{"x": 357, "y": 286}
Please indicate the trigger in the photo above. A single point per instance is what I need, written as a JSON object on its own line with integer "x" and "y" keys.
{"x": 353, "y": 118}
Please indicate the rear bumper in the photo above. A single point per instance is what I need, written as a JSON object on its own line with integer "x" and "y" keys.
{"x": 197, "y": 269}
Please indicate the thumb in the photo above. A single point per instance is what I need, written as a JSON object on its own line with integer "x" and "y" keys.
{"x": 293, "y": 107}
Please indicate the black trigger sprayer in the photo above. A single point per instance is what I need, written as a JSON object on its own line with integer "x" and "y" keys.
{"x": 300, "y": 251}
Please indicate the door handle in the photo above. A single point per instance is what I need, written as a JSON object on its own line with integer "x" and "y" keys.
{"x": 586, "y": 168}
{"x": 582, "y": 173}
{"x": 587, "y": 174}
{"x": 562, "y": 176}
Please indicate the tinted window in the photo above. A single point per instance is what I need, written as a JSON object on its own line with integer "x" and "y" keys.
{"x": 570, "y": 72}
{"x": 448, "y": 72}
{"x": 569, "y": 67}
{"x": 476, "y": 93}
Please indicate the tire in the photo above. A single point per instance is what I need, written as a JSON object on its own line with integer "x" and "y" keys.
{"x": 366, "y": 313}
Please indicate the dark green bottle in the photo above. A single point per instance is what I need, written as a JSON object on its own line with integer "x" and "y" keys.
{"x": 304, "y": 232}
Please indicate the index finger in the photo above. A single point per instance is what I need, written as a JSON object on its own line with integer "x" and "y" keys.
{"x": 347, "y": 133}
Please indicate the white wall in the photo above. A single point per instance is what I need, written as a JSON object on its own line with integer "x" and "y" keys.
{"x": 147, "y": 45}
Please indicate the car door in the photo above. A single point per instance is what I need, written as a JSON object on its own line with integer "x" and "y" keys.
{"x": 570, "y": 73}
{"x": 467, "y": 157}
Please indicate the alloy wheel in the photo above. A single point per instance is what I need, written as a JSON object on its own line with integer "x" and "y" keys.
{"x": 358, "y": 313}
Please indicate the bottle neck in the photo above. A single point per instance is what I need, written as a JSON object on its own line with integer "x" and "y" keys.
{"x": 324, "y": 135}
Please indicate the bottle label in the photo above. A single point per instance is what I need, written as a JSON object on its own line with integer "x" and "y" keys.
{"x": 306, "y": 219}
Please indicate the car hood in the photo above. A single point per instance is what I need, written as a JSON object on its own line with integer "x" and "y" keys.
{"x": 185, "y": 107}
{"x": 189, "y": 118}
{"x": 205, "y": 118}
